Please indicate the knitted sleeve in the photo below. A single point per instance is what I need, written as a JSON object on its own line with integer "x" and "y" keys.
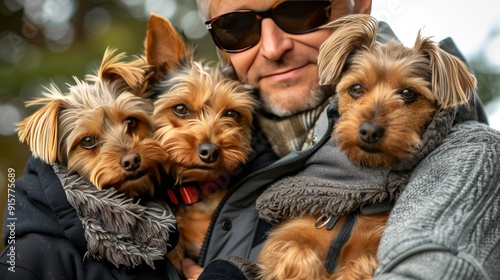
{"x": 445, "y": 224}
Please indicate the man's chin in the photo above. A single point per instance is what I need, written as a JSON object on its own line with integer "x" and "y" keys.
{"x": 285, "y": 104}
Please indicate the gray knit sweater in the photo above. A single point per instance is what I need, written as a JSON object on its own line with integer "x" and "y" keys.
{"x": 446, "y": 224}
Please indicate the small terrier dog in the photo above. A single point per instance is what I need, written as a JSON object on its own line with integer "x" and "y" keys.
{"x": 204, "y": 122}
{"x": 101, "y": 128}
{"x": 387, "y": 94}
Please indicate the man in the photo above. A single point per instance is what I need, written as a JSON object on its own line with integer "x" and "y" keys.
{"x": 283, "y": 65}
{"x": 442, "y": 227}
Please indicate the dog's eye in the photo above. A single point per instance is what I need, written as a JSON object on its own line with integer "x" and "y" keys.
{"x": 408, "y": 95}
{"x": 181, "y": 110}
{"x": 232, "y": 114}
{"x": 356, "y": 90}
{"x": 88, "y": 142}
{"x": 131, "y": 124}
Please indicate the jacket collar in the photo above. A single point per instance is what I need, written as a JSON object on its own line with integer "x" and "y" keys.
{"x": 116, "y": 228}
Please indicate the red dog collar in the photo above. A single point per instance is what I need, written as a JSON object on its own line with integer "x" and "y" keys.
{"x": 191, "y": 192}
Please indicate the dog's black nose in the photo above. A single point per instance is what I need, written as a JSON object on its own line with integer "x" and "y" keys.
{"x": 371, "y": 132}
{"x": 131, "y": 162}
{"x": 208, "y": 152}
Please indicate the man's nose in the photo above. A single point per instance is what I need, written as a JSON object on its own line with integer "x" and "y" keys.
{"x": 274, "y": 41}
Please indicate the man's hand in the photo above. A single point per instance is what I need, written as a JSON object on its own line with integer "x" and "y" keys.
{"x": 190, "y": 269}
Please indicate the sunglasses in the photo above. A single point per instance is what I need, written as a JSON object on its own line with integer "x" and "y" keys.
{"x": 240, "y": 30}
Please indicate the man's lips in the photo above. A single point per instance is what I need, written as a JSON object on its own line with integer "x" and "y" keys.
{"x": 285, "y": 74}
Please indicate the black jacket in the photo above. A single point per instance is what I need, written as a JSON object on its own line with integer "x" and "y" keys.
{"x": 47, "y": 238}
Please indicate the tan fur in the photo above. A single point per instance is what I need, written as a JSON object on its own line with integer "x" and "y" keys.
{"x": 106, "y": 108}
{"x": 296, "y": 249}
{"x": 351, "y": 56}
{"x": 451, "y": 83}
{"x": 218, "y": 111}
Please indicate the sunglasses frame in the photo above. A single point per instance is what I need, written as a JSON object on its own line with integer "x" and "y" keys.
{"x": 260, "y": 15}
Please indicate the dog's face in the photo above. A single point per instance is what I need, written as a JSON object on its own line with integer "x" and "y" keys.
{"x": 387, "y": 93}
{"x": 99, "y": 129}
{"x": 204, "y": 124}
{"x": 385, "y": 103}
{"x": 203, "y": 119}
{"x": 111, "y": 144}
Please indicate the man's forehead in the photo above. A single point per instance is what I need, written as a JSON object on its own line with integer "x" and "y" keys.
{"x": 219, "y": 7}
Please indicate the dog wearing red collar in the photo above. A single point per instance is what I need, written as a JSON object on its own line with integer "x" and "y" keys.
{"x": 204, "y": 123}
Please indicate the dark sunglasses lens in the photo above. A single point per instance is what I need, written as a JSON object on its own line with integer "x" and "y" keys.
{"x": 236, "y": 31}
{"x": 298, "y": 17}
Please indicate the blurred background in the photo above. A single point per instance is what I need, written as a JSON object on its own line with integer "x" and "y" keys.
{"x": 43, "y": 41}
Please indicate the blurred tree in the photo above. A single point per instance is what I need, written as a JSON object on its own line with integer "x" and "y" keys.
{"x": 488, "y": 81}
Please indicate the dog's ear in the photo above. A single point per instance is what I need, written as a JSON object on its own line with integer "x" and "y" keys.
{"x": 114, "y": 68}
{"x": 350, "y": 33}
{"x": 41, "y": 130}
{"x": 164, "y": 46}
{"x": 452, "y": 83}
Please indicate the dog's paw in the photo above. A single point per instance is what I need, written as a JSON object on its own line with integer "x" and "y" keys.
{"x": 361, "y": 268}
{"x": 290, "y": 260}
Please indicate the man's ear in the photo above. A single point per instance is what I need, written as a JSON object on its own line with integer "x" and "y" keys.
{"x": 223, "y": 56}
{"x": 362, "y": 6}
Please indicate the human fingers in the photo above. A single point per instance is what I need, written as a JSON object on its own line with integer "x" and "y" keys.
{"x": 190, "y": 269}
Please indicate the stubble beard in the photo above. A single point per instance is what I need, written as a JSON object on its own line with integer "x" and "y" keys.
{"x": 316, "y": 96}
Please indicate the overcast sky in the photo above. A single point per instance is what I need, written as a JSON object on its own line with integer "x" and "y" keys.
{"x": 469, "y": 23}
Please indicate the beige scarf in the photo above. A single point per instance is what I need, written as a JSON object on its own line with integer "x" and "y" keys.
{"x": 290, "y": 134}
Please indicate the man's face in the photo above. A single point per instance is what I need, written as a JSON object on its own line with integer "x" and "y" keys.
{"x": 282, "y": 65}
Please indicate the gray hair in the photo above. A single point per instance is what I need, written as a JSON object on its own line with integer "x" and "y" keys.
{"x": 350, "y": 3}
{"x": 203, "y": 9}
